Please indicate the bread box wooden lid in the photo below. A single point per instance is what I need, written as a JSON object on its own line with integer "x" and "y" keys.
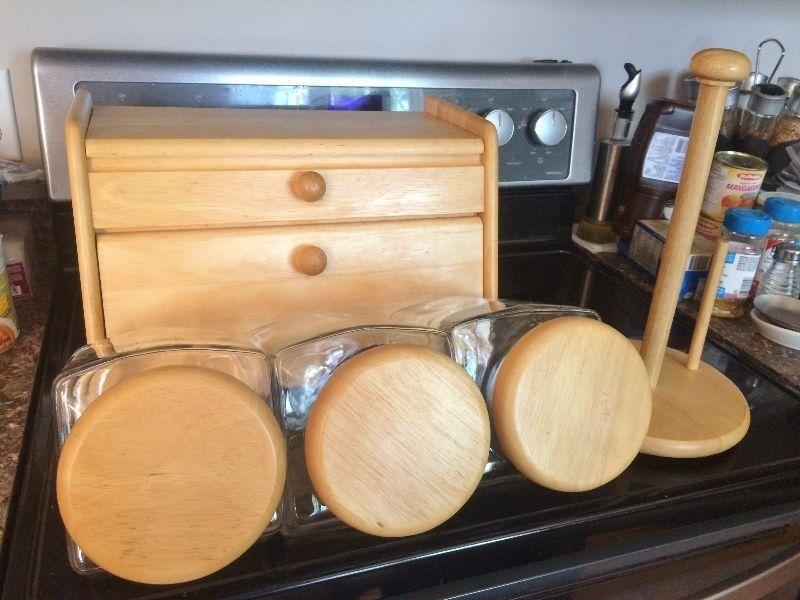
{"x": 135, "y": 132}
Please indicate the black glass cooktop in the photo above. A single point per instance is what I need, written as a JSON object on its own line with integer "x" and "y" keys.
{"x": 513, "y": 537}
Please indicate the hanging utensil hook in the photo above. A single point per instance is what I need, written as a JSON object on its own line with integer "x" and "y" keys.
{"x": 780, "y": 58}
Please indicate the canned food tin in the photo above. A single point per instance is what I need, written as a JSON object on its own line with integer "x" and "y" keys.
{"x": 9, "y": 328}
{"x": 711, "y": 229}
{"x": 733, "y": 182}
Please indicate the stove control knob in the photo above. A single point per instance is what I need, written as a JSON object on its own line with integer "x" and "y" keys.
{"x": 504, "y": 124}
{"x": 548, "y": 127}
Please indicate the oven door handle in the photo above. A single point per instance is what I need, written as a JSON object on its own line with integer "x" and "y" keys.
{"x": 758, "y": 581}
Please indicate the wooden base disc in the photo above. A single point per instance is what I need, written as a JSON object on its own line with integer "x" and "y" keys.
{"x": 571, "y": 404}
{"x": 171, "y": 474}
{"x": 695, "y": 413}
{"x": 397, "y": 440}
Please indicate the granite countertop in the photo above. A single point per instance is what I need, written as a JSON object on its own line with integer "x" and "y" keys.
{"x": 19, "y": 363}
{"x": 739, "y": 336}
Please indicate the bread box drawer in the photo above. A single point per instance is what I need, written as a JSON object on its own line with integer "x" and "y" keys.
{"x": 184, "y": 199}
{"x": 238, "y": 279}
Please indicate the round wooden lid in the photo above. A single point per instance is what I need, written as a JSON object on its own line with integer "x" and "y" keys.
{"x": 397, "y": 440}
{"x": 171, "y": 474}
{"x": 572, "y": 404}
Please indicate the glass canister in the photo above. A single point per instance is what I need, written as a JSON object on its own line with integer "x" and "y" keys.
{"x": 141, "y": 433}
{"x": 785, "y": 133}
{"x": 551, "y": 366}
{"x": 383, "y": 429}
{"x": 785, "y": 214}
{"x": 782, "y": 278}
{"x": 758, "y": 120}
{"x": 745, "y": 230}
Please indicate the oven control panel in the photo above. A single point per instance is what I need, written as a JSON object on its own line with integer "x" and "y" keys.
{"x": 534, "y": 130}
{"x": 545, "y": 112}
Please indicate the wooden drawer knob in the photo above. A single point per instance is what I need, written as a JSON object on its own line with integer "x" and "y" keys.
{"x": 309, "y": 186}
{"x": 309, "y": 260}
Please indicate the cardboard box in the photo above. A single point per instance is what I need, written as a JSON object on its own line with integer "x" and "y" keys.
{"x": 648, "y": 243}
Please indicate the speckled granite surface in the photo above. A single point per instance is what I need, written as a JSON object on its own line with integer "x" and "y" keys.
{"x": 18, "y": 364}
{"x": 739, "y": 336}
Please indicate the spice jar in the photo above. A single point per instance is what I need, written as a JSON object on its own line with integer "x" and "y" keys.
{"x": 785, "y": 214}
{"x": 783, "y": 275}
{"x": 785, "y": 133}
{"x": 745, "y": 230}
{"x": 154, "y": 444}
{"x": 758, "y": 119}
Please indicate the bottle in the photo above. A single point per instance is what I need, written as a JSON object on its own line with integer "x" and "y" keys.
{"x": 785, "y": 133}
{"x": 783, "y": 276}
{"x": 654, "y": 165}
{"x": 758, "y": 119}
{"x": 745, "y": 230}
{"x": 785, "y": 214}
{"x": 9, "y": 329}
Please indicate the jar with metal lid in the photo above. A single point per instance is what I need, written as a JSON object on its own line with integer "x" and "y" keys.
{"x": 384, "y": 431}
{"x": 785, "y": 214}
{"x": 757, "y": 121}
{"x": 782, "y": 278}
{"x": 156, "y": 439}
{"x": 745, "y": 230}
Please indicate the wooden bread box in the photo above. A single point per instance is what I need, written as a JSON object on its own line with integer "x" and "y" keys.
{"x": 233, "y": 218}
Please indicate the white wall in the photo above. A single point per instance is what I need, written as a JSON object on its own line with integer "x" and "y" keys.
{"x": 659, "y": 36}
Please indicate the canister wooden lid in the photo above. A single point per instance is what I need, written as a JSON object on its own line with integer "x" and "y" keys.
{"x": 171, "y": 474}
{"x": 572, "y": 404}
{"x": 397, "y": 440}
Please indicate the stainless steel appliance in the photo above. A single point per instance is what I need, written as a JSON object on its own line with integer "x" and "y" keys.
{"x": 545, "y": 112}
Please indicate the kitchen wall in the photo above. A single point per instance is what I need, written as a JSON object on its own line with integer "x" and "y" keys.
{"x": 659, "y": 36}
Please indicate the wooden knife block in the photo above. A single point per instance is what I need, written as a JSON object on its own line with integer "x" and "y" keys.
{"x": 228, "y": 219}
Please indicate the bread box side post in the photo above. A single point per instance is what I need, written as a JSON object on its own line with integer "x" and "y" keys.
{"x": 76, "y": 125}
{"x": 449, "y": 112}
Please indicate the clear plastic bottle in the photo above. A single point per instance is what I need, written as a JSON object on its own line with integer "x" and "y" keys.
{"x": 783, "y": 276}
{"x": 785, "y": 214}
{"x": 745, "y": 230}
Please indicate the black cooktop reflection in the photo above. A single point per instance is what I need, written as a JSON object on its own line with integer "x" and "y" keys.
{"x": 509, "y": 523}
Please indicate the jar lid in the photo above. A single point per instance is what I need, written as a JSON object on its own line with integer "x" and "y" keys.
{"x": 747, "y": 221}
{"x": 788, "y": 252}
{"x": 397, "y": 440}
{"x": 767, "y": 99}
{"x": 171, "y": 474}
{"x": 783, "y": 209}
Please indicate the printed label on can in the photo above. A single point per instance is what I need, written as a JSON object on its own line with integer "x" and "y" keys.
{"x": 665, "y": 156}
{"x": 730, "y": 187}
{"x": 708, "y": 228}
{"x": 737, "y": 275}
{"x": 8, "y": 316}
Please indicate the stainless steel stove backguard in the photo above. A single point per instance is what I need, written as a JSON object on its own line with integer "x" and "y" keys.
{"x": 526, "y": 100}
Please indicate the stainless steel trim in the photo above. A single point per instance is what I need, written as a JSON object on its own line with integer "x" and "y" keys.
{"x": 57, "y": 73}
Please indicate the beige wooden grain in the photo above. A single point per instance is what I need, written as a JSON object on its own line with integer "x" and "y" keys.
{"x": 486, "y": 131}
{"x": 78, "y": 119}
{"x": 695, "y": 413}
{"x": 238, "y": 279}
{"x": 716, "y": 70}
{"x": 571, "y": 404}
{"x": 397, "y": 440}
{"x": 706, "y": 305}
{"x": 126, "y": 131}
{"x": 255, "y": 163}
{"x": 171, "y": 474}
{"x": 151, "y": 200}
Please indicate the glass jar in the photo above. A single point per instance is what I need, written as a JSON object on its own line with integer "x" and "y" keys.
{"x": 757, "y": 121}
{"x": 745, "y": 230}
{"x": 785, "y": 214}
{"x": 91, "y": 372}
{"x": 782, "y": 278}
{"x": 321, "y": 354}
